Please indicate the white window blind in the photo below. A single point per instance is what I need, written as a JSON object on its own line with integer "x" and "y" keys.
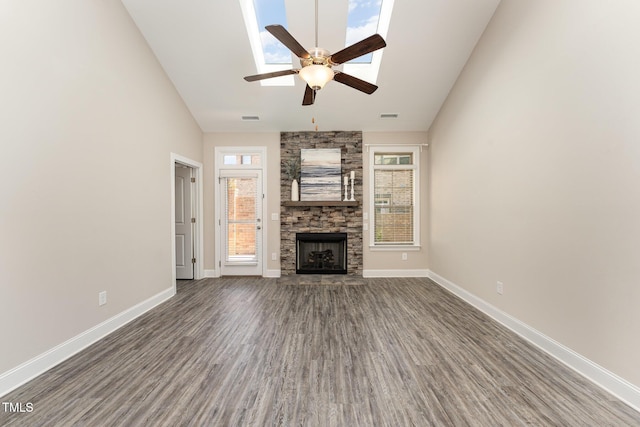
{"x": 393, "y": 206}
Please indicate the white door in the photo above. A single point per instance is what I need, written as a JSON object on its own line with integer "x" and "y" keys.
{"x": 241, "y": 222}
{"x": 184, "y": 226}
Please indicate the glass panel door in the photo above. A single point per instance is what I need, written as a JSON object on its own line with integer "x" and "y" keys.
{"x": 241, "y": 192}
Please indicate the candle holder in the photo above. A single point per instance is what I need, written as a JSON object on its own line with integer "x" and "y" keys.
{"x": 353, "y": 199}
{"x": 346, "y": 185}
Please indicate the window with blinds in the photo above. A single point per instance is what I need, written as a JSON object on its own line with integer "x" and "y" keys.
{"x": 394, "y": 198}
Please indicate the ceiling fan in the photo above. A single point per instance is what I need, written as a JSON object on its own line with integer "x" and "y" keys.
{"x": 316, "y": 63}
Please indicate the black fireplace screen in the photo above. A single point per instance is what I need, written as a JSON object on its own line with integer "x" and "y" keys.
{"x": 321, "y": 253}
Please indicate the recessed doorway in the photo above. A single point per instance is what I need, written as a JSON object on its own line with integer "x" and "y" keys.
{"x": 186, "y": 219}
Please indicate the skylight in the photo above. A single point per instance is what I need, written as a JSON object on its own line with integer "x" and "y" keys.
{"x": 365, "y": 17}
{"x": 268, "y": 53}
{"x": 362, "y": 21}
{"x": 270, "y": 12}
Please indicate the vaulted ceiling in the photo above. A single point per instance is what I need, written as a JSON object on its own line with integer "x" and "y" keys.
{"x": 204, "y": 48}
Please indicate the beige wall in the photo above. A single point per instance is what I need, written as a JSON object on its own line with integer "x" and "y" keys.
{"x": 535, "y": 166}
{"x": 270, "y": 140}
{"x": 382, "y": 262}
{"x": 88, "y": 122}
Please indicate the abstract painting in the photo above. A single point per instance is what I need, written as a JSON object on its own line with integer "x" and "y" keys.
{"x": 320, "y": 174}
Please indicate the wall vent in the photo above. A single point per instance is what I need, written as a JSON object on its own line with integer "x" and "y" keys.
{"x": 250, "y": 118}
{"x": 388, "y": 116}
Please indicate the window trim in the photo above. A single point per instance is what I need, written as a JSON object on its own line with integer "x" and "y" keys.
{"x": 389, "y": 149}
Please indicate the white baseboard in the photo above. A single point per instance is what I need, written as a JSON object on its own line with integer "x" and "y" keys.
{"x": 271, "y": 273}
{"x": 19, "y": 375}
{"x": 211, "y": 273}
{"x": 395, "y": 273}
{"x": 603, "y": 378}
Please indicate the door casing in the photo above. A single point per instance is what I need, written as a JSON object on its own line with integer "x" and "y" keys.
{"x": 198, "y": 242}
{"x": 219, "y": 153}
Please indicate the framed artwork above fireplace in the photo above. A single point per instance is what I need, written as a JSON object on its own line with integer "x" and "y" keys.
{"x": 320, "y": 175}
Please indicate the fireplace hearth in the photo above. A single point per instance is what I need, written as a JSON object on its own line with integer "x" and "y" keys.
{"x": 321, "y": 253}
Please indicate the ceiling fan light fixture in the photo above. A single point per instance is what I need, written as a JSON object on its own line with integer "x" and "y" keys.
{"x": 316, "y": 76}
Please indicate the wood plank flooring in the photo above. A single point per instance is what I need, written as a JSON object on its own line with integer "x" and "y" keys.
{"x": 314, "y": 351}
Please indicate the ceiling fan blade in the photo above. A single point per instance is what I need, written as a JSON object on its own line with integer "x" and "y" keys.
{"x": 354, "y": 82}
{"x": 356, "y": 50}
{"x": 309, "y": 96}
{"x": 270, "y": 75}
{"x": 279, "y": 32}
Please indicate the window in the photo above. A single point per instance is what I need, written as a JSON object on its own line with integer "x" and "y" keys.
{"x": 268, "y": 53}
{"x": 241, "y": 159}
{"x": 269, "y": 12}
{"x": 394, "y": 207}
{"x": 362, "y": 21}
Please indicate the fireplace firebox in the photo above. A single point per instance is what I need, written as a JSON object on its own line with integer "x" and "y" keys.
{"x": 321, "y": 253}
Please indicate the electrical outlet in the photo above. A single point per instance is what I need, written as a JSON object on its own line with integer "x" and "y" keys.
{"x": 102, "y": 298}
{"x": 274, "y": 256}
{"x": 404, "y": 256}
{"x": 499, "y": 288}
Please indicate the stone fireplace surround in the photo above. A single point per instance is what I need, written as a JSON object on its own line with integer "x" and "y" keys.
{"x": 327, "y": 218}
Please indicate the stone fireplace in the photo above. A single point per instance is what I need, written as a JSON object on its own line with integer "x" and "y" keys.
{"x": 321, "y": 217}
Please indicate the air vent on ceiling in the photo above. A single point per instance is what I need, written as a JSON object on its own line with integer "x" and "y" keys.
{"x": 250, "y": 118}
{"x": 388, "y": 116}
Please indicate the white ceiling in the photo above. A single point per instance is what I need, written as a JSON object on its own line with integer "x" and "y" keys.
{"x": 204, "y": 48}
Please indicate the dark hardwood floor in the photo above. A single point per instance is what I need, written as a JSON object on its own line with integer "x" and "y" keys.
{"x": 314, "y": 351}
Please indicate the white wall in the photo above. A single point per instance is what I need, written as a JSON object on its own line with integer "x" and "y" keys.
{"x": 88, "y": 120}
{"x": 535, "y": 172}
